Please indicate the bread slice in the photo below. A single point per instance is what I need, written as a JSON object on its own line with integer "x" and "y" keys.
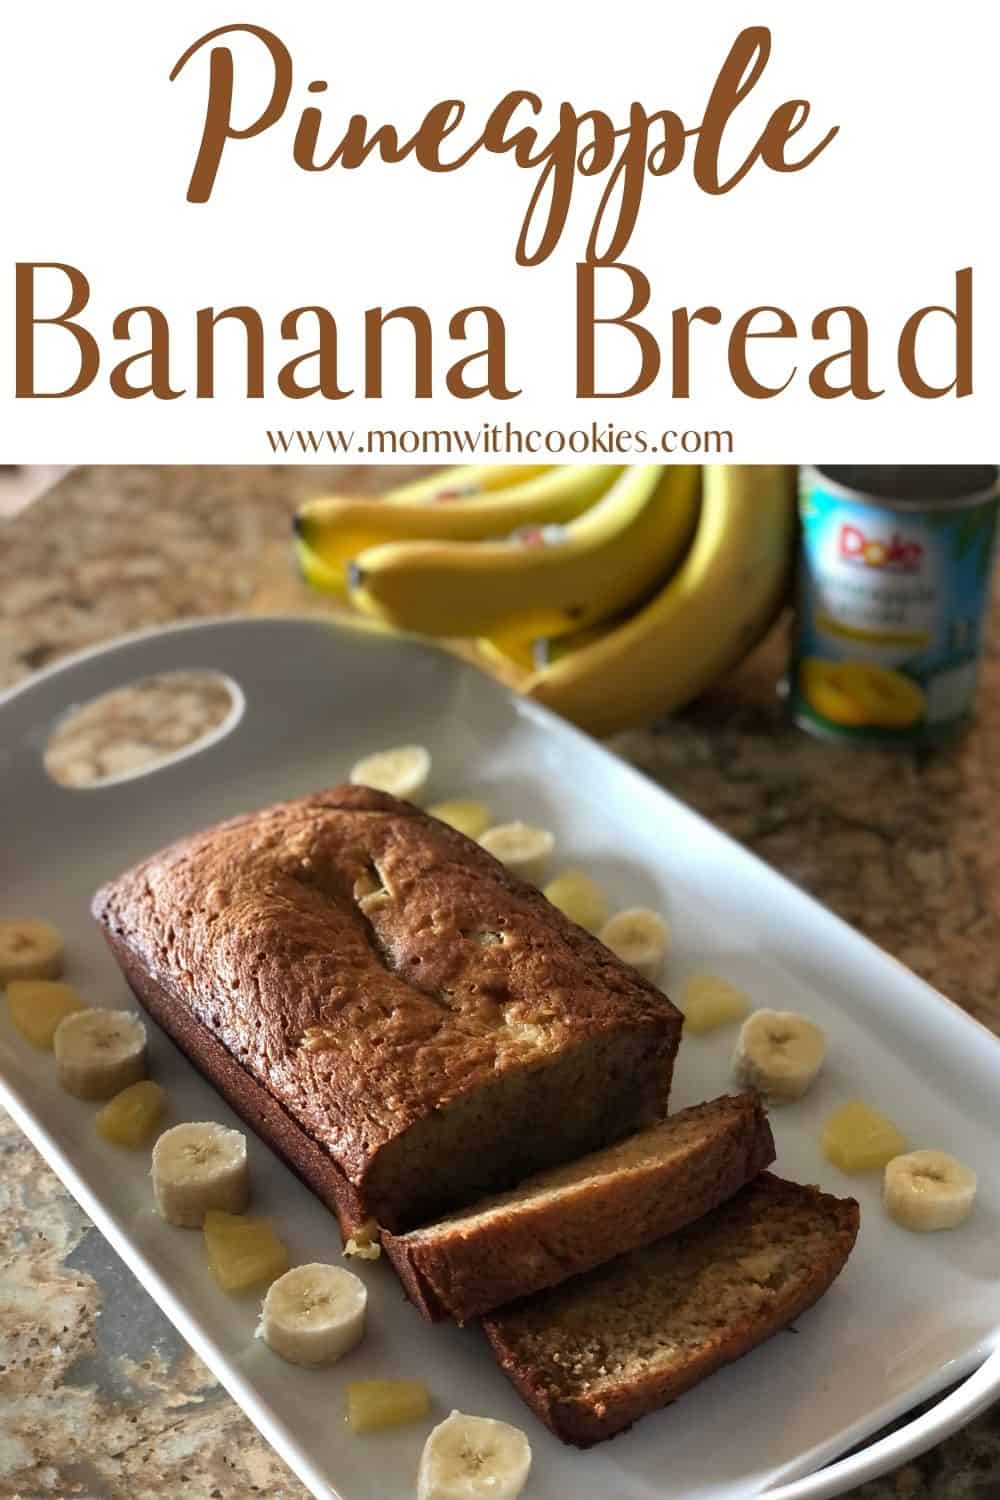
{"x": 594, "y": 1355}
{"x": 573, "y": 1218}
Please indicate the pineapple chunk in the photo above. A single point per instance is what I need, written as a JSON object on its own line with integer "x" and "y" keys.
{"x": 243, "y": 1251}
{"x": 132, "y": 1117}
{"x": 856, "y": 1138}
{"x": 375, "y": 1404}
{"x": 579, "y": 898}
{"x": 468, "y": 816}
{"x": 38, "y": 1005}
{"x": 709, "y": 1002}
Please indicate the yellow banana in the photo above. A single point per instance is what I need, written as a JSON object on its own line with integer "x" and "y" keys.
{"x": 509, "y": 650}
{"x": 708, "y": 616}
{"x": 465, "y": 482}
{"x": 543, "y": 580}
{"x": 456, "y": 505}
{"x": 315, "y": 571}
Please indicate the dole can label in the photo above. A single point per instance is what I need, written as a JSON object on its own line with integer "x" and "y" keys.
{"x": 891, "y": 596}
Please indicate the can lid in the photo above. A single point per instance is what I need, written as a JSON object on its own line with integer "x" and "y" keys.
{"x": 914, "y": 486}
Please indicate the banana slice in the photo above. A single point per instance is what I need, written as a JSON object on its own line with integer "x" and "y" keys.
{"x": 464, "y": 813}
{"x": 473, "y": 1458}
{"x": 99, "y": 1053}
{"x": 29, "y": 949}
{"x": 639, "y": 937}
{"x": 779, "y": 1052}
{"x": 579, "y": 898}
{"x": 314, "y": 1314}
{"x": 197, "y": 1167}
{"x": 402, "y": 772}
{"x": 523, "y": 848}
{"x": 928, "y": 1190}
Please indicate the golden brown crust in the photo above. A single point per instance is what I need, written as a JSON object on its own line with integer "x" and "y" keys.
{"x": 464, "y": 1266}
{"x": 375, "y": 973}
{"x": 251, "y": 1101}
{"x": 533, "y": 1341}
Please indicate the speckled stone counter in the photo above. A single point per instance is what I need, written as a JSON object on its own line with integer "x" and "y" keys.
{"x": 97, "y": 1406}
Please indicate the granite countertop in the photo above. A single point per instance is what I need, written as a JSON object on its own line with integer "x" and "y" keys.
{"x": 103, "y": 1407}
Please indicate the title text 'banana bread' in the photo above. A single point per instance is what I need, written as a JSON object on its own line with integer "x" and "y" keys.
{"x": 407, "y": 1023}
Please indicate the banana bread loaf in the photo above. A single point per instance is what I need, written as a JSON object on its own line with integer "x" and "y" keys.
{"x": 594, "y": 1355}
{"x": 572, "y": 1218}
{"x": 410, "y": 1026}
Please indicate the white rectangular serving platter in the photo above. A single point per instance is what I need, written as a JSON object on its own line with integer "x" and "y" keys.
{"x": 911, "y": 1315}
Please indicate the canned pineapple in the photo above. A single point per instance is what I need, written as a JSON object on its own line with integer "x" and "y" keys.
{"x": 893, "y": 583}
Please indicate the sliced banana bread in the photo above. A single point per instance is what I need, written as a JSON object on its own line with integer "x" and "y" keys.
{"x": 407, "y": 1023}
{"x": 572, "y": 1218}
{"x": 594, "y": 1355}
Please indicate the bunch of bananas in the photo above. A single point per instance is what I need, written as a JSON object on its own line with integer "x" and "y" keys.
{"x": 610, "y": 593}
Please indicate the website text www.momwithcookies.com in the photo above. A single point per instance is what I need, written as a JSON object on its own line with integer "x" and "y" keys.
{"x": 500, "y": 439}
